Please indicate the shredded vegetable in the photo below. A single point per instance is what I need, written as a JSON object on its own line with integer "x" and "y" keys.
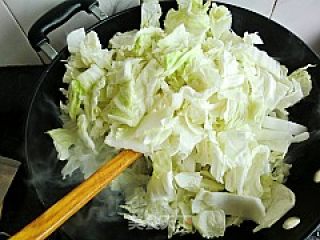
{"x": 205, "y": 106}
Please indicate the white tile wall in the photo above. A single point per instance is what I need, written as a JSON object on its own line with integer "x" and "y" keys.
{"x": 17, "y": 16}
{"x": 301, "y": 17}
{"x": 26, "y": 16}
{"x": 264, "y": 7}
{"x": 14, "y": 47}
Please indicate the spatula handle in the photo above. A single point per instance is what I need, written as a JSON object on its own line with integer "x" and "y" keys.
{"x": 61, "y": 211}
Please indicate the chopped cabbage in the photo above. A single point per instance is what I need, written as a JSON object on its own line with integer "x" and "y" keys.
{"x": 205, "y": 106}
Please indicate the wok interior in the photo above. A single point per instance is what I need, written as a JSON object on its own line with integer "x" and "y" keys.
{"x": 99, "y": 220}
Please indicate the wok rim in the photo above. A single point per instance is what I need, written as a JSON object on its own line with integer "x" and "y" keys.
{"x": 58, "y": 58}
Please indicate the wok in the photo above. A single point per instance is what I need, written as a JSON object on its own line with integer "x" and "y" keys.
{"x": 96, "y": 220}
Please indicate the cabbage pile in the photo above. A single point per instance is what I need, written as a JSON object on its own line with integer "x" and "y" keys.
{"x": 205, "y": 106}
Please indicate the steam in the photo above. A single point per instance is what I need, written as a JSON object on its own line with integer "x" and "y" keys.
{"x": 101, "y": 213}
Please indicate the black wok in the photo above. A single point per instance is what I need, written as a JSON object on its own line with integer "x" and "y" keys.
{"x": 91, "y": 222}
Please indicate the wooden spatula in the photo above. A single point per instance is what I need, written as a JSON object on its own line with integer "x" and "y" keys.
{"x": 61, "y": 211}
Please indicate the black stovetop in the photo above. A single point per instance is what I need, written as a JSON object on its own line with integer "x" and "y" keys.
{"x": 21, "y": 205}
